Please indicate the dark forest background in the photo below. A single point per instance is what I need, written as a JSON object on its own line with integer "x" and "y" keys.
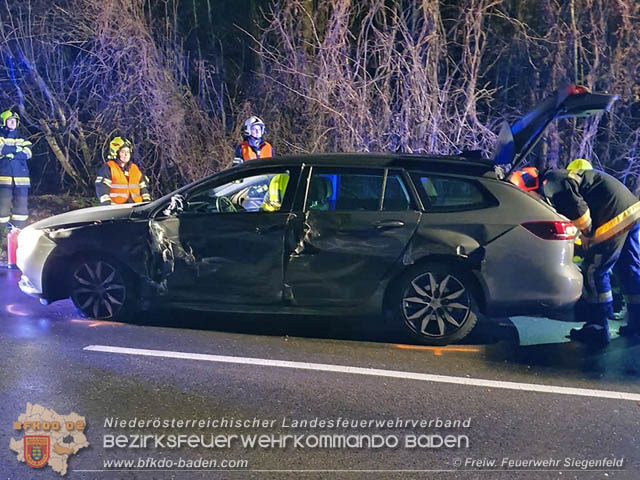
{"x": 179, "y": 77}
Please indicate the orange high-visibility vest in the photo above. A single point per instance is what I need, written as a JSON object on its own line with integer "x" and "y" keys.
{"x": 249, "y": 153}
{"x": 122, "y": 187}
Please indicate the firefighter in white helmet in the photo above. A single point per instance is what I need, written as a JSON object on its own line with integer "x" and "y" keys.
{"x": 253, "y": 145}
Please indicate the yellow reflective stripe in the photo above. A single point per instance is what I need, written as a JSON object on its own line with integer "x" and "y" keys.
{"x": 99, "y": 179}
{"x": 107, "y": 181}
{"x": 605, "y": 297}
{"x": 6, "y": 180}
{"x": 19, "y": 217}
{"x": 146, "y": 196}
{"x": 4, "y": 219}
{"x": 27, "y": 150}
{"x": 583, "y": 222}
{"x": 617, "y": 224}
{"x": 104, "y": 198}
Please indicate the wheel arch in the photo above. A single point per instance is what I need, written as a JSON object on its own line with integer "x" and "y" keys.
{"x": 58, "y": 286}
{"x": 466, "y": 266}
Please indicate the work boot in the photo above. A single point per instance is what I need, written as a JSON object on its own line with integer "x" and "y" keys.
{"x": 591, "y": 334}
{"x": 632, "y": 328}
{"x": 629, "y": 330}
{"x": 595, "y": 332}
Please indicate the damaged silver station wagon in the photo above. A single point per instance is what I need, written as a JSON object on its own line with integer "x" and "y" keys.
{"x": 435, "y": 241}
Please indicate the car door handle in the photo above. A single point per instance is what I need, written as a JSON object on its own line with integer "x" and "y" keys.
{"x": 387, "y": 224}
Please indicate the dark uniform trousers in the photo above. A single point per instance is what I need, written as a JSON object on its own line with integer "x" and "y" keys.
{"x": 622, "y": 255}
{"x": 13, "y": 206}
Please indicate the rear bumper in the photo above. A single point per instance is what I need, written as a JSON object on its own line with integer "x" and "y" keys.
{"x": 528, "y": 275}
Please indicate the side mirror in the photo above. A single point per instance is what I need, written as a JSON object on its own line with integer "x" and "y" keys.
{"x": 176, "y": 206}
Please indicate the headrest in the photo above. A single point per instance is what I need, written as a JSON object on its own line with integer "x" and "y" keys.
{"x": 320, "y": 188}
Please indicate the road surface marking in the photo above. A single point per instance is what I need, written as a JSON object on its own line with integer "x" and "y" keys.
{"x": 438, "y": 351}
{"x": 375, "y": 372}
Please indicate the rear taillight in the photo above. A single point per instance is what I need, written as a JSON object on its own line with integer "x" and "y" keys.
{"x": 552, "y": 230}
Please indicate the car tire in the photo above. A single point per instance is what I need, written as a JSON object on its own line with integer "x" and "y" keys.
{"x": 102, "y": 289}
{"x": 435, "y": 303}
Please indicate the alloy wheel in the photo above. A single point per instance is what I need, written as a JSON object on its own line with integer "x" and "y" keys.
{"x": 436, "y": 305}
{"x": 99, "y": 290}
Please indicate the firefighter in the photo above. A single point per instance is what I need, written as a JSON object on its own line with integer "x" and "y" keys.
{"x": 253, "y": 145}
{"x": 120, "y": 180}
{"x": 608, "y": 215}
{"x": 580, "y": 164}
{"x": 275, "y": 194}
{"x": 526, "y": 179}
{"x": 14, "y": 172}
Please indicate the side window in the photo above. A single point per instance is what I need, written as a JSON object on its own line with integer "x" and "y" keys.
{"x": 342, "y": 190}
{"x": 396, "y": 195}
{"x": 448, "y": 194}
{"x": 256, "y": 193}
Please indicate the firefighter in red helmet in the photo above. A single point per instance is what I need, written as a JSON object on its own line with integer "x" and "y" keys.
{"x": 526, "y": 179}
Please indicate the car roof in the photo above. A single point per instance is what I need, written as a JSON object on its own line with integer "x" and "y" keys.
{"x": 447, "y": 164}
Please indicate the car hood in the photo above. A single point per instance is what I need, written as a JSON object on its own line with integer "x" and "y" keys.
{"x": 85, "y": 216}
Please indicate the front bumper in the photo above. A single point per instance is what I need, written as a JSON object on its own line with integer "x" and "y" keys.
{"x": 34, "y": 249}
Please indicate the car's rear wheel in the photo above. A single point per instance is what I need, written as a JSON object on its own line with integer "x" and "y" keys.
{"x": 102, "y": 289}
{"x": 435, "y": 303}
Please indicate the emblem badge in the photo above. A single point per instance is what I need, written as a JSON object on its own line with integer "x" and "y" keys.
{"x": 36, "y": 450}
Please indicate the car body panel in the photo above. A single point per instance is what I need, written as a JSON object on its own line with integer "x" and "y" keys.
{"x": 313, "y": 262}
{"x": 223, "y": 258}
{"x": 342, "y": 256}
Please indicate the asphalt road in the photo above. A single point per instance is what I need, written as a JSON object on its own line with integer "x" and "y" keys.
{"x": 521, "y": 392}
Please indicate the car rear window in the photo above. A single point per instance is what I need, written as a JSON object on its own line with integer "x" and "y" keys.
{"x": 447, "y": 194}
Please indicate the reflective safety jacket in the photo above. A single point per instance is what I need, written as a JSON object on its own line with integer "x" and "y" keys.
{"x": 597, "y": 203}
{"x": 14, "y": 153}
{"x": 245, "y": 152}
{"x": 277, "y": 187}
{"x": 117, "y": 185}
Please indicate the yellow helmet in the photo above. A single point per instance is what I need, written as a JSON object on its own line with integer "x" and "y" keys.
{"x": 116, "y": 144}
{"x": 6, "y": 115}
{"x": 580, "y": 164}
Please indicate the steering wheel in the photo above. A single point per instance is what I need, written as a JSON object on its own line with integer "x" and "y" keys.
{"x": 223, "y": 204}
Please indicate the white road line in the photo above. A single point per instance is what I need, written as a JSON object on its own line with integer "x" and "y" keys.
{"x": 323, "y": 367}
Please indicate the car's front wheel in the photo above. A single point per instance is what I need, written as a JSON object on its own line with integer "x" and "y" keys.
{"x": 101, "y": 289}
{"x": 435, "y": 303}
